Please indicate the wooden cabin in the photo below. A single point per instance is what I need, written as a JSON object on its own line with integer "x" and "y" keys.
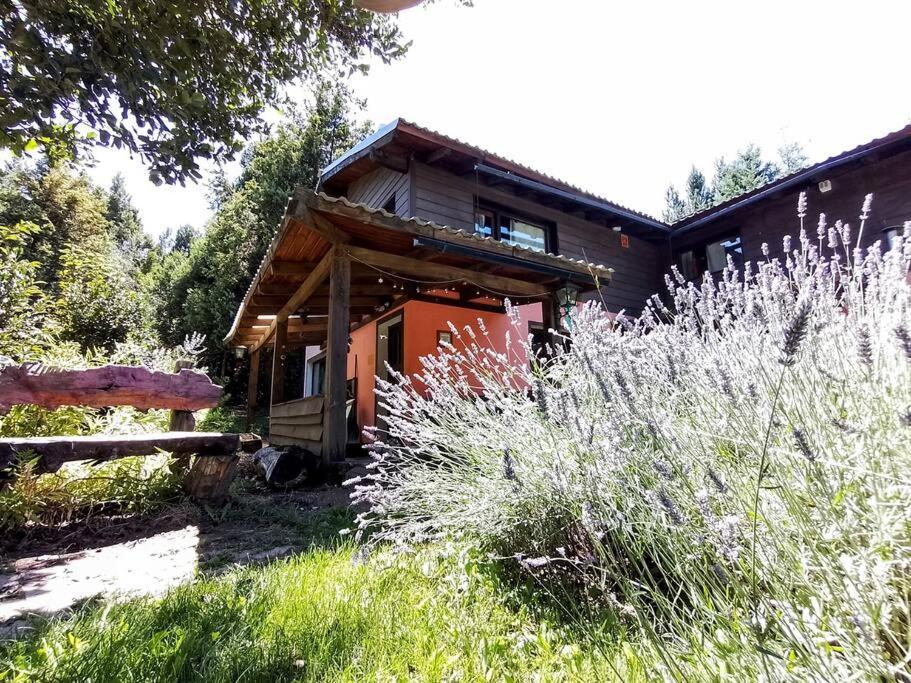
{"x": 412, "y": 230}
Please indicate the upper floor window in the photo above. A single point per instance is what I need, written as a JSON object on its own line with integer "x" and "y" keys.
{"x": 507, "y": 228}
{"x": 711, "y": 257}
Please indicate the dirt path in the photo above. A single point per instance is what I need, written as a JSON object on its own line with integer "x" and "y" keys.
{"x": 148, "y": 556}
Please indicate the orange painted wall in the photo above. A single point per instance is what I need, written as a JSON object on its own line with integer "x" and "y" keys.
{"x": 362, "y": 364}
{"x": 422, "y": 321}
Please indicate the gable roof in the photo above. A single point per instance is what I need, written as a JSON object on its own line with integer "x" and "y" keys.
{"x": 895, "y": 141}
{"x": 486, "y": 162}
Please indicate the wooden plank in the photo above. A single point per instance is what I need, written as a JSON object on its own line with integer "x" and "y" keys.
{"x": 252, "y": 388}
{"x": 312, "y": 446}
{"x": 297, "y": 420}
{"x": 312, "y": 405}
{"x": 307, "y": 287}
{"x": 278, "y": 362}
{"x": 57, "y": 450}
{"x": 310, "y": 432}
{"x": 335, "y": 423}
{"x": 439, "y": 271}
{"x": 109, "y": 385}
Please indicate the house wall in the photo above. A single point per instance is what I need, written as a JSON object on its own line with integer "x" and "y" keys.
{"x": 375, "y": 188}
{"x": 422, "y": 321}
{"x": 638, "y": 269}
{"x": 769, "y": 220}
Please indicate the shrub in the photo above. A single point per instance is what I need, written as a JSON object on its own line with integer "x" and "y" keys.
{"x": 729, "y": 472}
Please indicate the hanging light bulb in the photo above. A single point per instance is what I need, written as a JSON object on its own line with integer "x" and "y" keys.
{"x": 380, "y": 280}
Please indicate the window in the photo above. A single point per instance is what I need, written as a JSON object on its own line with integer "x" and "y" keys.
{"x": 711, "y": 257}
{"x": 511, "y": 229}
{"x": 316, "y": 375}
{"x": 890, "y": 234}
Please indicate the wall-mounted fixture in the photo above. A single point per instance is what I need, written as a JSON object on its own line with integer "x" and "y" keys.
{"x": 617, "y": 228}
{"x": 567, "y": 296}
{"x": 239, "y": 352}
{"x": 825, "y": 186}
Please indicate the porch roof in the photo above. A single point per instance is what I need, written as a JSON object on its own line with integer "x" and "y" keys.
{"x": 392, "y": 259}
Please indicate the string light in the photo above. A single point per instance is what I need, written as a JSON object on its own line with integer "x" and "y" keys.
{"x": 497, "y": 294}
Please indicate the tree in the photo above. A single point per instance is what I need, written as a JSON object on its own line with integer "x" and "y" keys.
{"x": 203, "y": 292}
{"x": 125, "y": 227}
{"x": 23, "y": 306}
{"x": 99, "y": 304}
{"x": 746, "y": 172}
{"x": 174, "y": 81}
{"x": 184, "y": 238}
{"x": 64, "y": 205}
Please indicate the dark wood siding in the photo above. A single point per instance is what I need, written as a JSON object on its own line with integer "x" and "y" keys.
{"x": 769, "y": 220}
{"x": 449, "y": 199}
{"x": 375, "y": 188}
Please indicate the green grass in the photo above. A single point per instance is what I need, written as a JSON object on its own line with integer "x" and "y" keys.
{"x": 323, "y": 615}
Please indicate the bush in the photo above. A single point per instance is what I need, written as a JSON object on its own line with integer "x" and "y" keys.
{"x": 728, "y": 473}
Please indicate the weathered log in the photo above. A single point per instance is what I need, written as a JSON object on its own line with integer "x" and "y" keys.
{"x": 57, "y": 450}
{"x": 210, "y": 477}
{"x": 110, "y": 385}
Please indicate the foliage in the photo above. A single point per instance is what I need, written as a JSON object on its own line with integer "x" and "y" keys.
{"x": 99, "y": 304}
{"x": 728, "y": 473}
{"x": 326, "y": 615}
{"x": 174, "y": 82}
{"x": 202, "y": 290}
{"x": 746, "y": 172}
{"x": 23, "y": 307}
{"x": 125, "y": 225}
{"x": 129, "y": 485}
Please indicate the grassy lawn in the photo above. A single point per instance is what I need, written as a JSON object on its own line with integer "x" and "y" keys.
{"x": 323, "y": 615}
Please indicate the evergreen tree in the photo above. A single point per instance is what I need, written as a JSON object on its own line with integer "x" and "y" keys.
{"x": 124, "y": 224}
{"x": 746, "y": 172}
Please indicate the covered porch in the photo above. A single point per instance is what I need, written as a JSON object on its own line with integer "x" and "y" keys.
{"x": 334, "y": 267}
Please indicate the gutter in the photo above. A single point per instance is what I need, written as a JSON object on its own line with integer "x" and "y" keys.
{"x": 571, "y": 196}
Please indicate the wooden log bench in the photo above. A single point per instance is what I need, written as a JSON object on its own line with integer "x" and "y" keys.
{"x": 207, "y": 477}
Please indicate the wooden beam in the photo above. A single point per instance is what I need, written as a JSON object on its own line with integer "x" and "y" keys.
{"x": 335, "y": 425}
{"x": 437, "y": 155}
{"x": 252, "y": 388}
{"x": 315, "y": 222}
{"x": 278, "y": 362}
{"x": 109, "y": 385}
{"x": 57, "y": 450}
{"x": 439, "y": 271}
{"x": 307, "y": 287}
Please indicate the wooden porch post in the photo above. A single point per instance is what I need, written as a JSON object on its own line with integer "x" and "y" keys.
{"x": 278, "y": 361}
{"x": 252, "y": 388}
{"x": 550, "y": 317}
{"x": 335, "y": 427}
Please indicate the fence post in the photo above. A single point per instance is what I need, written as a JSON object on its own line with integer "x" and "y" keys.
{"x": 182, "y": 421}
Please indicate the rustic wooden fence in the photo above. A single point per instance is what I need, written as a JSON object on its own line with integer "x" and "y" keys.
{"x": 211, "y": 470}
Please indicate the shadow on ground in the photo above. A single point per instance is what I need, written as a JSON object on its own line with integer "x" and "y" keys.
{"x": 52, "y": 571}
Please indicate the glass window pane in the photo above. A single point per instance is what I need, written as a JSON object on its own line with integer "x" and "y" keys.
{"x": 717, "y": 253}
{"x": 523, "y": 234}
{"x": 483, "y": 223}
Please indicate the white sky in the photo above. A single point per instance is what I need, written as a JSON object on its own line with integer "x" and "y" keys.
{"x": 621, "y": 98}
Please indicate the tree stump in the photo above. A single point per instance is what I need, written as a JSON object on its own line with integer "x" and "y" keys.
{"x": 210, "y": 477}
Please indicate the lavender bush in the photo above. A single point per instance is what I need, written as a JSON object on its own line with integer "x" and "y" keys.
{"x": 729, "y": 473}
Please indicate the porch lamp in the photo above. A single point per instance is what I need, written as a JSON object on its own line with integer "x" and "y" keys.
{"x": 567, "y": 296}
{"x": 239, "y": 352}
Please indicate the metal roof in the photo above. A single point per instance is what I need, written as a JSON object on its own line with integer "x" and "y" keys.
{"x": 699, "y": 218}
{"x": 512, "y": 167}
